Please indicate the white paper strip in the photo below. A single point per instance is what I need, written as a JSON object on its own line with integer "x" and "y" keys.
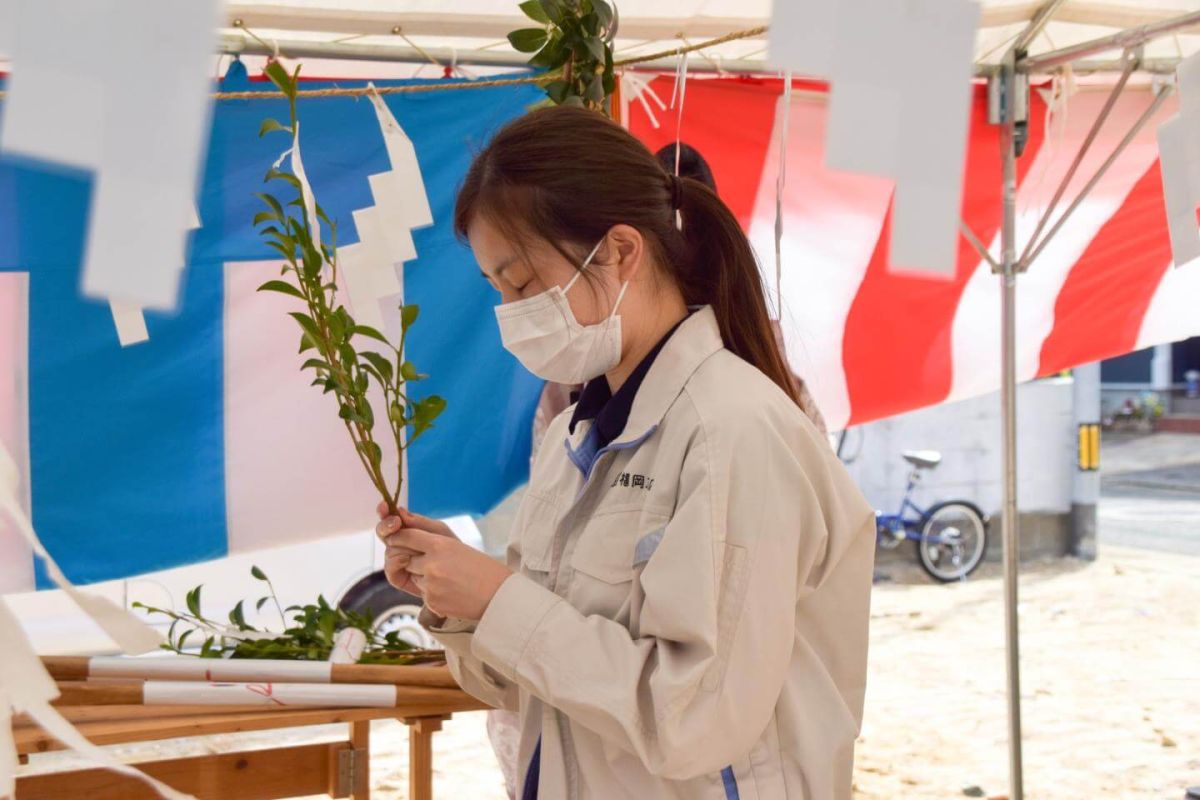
{"x": 1179, "y": 154}
{"x": 26, "y": 687}
{"x": 388, "y": 193}
{"x": 127, "y": 631}
{"x": 405, "y": 166}
{"x": 348, "y": 646}
{"x": 130, "y": 322}
{"x": 372, "y": 234}
{"x": 867, "y": 96}
{"x": 180, "y": 668}
{"x": 310, "y": 202}
{"x": 932, "y": 143}
{"x": 90, "y": 59}
{"x": 355, "y": 265}
{"x": 801, "y": 37}
{"x": 269, "y": 694}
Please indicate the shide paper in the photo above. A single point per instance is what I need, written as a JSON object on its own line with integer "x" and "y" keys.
{"x": 91, "y": 90}
{"x": 1179, "y": 154}
{"x": 900, "y": 76}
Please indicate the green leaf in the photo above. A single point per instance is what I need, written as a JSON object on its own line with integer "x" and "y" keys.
{"x": 370, "y": 333}
{"x": 280, "y": 77}
{"x": 396, "y": 414}
{"x": 553, "y": 55}
{"x": 237, "y": 616}
{"x": 286, "y": 177}
{"x": 596, "y": 47}
{"x": 604, "y": 12}
{"x": 574, "y": 101}
{"x": 258, "y": 573}
{"x": 365, "y": 412}
{"x": 262, "y": 601}
{"x": 425, "y": 412}
{"x": 554, "y": 10}
{"x": 272, "y": 202}
{"x": 557, "y": 90}
{"x": 269, "y": 125}
{"x": 595, "y": 90}
{"x": 316, "y": 363}
{"x": 409, "y": 372}
{"x": 308, "y": 324}
{"x": 283, "y": 287}
{"x": 528, "y": 40}
{"x": 408, "y": 315}
{"x": 312, "y": 260}
{"x": 306, "y": 343}
{"x": 287, "y": 252}
{"x": 264, "y": 216}
{"x": 324, "y": 217}
{"x": 183, "y": 638}
{"x": 193, "y": 601}
{"x": 337, "y": 328}
{"x": 381, "y": 364}
{"x": 372, "y": 451}
{"x": 533, "y": 9}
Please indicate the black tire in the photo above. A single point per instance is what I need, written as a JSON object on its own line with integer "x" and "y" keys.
{"x": 947, "y": 564}
{"x": 391, "y": 608}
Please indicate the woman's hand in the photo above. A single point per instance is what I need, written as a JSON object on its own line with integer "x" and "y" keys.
{"x": 396, "y": 559}
{"x": 455, "y": 579}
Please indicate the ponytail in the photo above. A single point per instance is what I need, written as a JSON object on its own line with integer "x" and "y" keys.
{"x": 725, "y": 274}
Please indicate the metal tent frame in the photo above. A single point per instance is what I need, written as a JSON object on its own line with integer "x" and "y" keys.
{"x": 1009, "y": 87}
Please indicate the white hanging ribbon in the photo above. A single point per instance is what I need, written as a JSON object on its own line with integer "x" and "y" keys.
{"x": 785, "y": 112}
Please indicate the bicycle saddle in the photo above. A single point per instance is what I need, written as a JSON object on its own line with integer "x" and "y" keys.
{"x": 925, "y": 459}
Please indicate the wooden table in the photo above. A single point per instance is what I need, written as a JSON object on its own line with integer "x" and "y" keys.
{"x": 339, "y": 769}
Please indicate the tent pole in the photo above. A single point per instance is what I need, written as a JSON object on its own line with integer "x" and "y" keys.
{"x": 1125, "y": 39}
{"x": 1009, "y": 523}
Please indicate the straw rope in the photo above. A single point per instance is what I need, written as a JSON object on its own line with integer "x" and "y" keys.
{"x": 546, "y": 77}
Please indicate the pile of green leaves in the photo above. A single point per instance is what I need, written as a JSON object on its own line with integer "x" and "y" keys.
{"x": 310, "y": 637}
{"x": 575, "y": 43}
{"x": 329, "y": 331}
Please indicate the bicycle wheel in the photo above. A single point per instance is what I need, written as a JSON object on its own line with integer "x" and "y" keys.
{"x": 953, "y": 541}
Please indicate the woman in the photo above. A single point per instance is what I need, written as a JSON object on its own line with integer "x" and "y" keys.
{"x": 684, "y": 609}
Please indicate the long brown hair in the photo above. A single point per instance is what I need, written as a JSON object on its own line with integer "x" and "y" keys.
{"x": 568, "y": 175}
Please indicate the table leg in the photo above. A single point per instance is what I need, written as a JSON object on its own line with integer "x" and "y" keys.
{"x": 360, "y": 740}
{"x": 420, "y": 756}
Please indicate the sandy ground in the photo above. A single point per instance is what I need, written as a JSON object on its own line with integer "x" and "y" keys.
{"x": 1110, "y": 683}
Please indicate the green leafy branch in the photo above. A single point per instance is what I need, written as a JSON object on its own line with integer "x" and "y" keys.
{"x": 327, "y": 328}
{"x": 310, "y": 637}
{"x": 575, "y": 41}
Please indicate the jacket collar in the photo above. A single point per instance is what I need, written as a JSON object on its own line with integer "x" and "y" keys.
{"x": 697, "y": 338}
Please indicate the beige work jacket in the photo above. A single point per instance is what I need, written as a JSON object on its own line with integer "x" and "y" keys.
{"x": 688, "y": 618}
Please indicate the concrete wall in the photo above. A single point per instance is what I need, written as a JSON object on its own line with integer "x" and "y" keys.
{"x": 967, "y": 433}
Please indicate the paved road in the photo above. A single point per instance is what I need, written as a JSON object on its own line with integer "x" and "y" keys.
{"x": 1150, "y": 493}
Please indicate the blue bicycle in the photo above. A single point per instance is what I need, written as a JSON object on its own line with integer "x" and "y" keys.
{"x": 951, "y": 536}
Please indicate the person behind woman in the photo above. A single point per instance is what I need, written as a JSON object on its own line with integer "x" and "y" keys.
{"x": 684, "y": 608}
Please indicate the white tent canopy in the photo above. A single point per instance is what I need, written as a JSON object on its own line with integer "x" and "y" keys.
{"x": 474, "y": 30}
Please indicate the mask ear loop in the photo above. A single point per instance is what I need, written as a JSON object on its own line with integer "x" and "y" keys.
{"x": 586, "y": 262}
{"x": 620, "y": 296}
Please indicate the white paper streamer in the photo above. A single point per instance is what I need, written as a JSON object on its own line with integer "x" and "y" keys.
{"x": 310, "y": 202}
{"x": 1179, "y": 154}
{"x": 26, "y": 687}
{"x": 348, "y": 646}
{"x": 130, "y": 322}
{"x": 310, "y": 695}
{"x": 405, "y": 166}
{"x": 355, "y": 266}
{"x": 127, "y": 631}
{"x": 179, "y": 668}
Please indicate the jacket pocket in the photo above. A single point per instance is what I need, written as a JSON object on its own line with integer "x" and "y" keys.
{"x": 537, "y": 522}
{"x": 613, "y": 545}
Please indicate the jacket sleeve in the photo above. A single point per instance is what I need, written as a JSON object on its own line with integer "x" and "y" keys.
{"x": 717, "y": 627}
{"x": 476, "y": 678}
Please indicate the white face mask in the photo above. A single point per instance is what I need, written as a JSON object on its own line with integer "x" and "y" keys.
{"x": 543, "y": 333}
